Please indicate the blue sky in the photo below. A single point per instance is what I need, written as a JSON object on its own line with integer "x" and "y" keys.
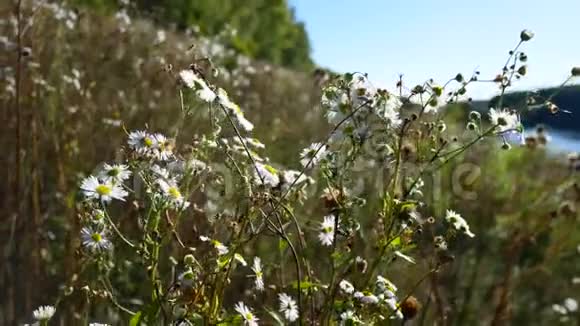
{"x": 438, "y": 39}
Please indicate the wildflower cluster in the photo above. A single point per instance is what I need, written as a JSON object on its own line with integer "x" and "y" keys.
{"x": 223, "y": 234}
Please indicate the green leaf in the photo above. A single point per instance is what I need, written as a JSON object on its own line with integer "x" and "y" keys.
{"x": 282, "y": 244}
{"x": 136, "y": 319}
{"x": 276, "y": 317}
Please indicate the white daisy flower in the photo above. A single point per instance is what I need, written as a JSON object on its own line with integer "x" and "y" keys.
{"x": 386, "y": 286}
{"x": 249, "y": 318}
{"x": 240, "y": 259}
{"x": 95, "y": 240}
{"x": 336, "y": 103}
{"x": 559, "y": 309}
{"x": 267, "y": 175}
{"x": 366, "y": 298}
{"x": 388, "y": 110}
{"x": 234, "y": 110}
{"x": 250, "y": 142}
{"x": 93, "y": 188}
{"x": 162, "y": 173}
{"x": 361, "y": 90}
{"x": 163, "y": 147}
{"x": 193, "y": 81}
{"x": 172, "y": 194}
{"x": 312, "y": 155}
{"x": 504, "y": 119}
{"x": 116, "y": 173}
{"x": 44, "y": 313}
{"x": 187, "y": 278}
{"x": 458, "y": 222}
{"x": 346, "y": 287}
{"x": 290, "y": 177}
{"x": 571, "y": 304}
{"x": 142, "y": 142}
{"x": 221, "y": 248}
{"x": 347, "y": 316}
{"x": 326, "y": 235}
{"x": 258, "y": 274}
{"x": 288, "y": 307}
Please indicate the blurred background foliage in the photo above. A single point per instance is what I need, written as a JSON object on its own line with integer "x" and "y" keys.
{"x": 90, "y": 73}
{"x": 264, "y": 29}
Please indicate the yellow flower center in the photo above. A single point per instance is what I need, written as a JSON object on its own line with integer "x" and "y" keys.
{"x": 174, "y": 192}
{"x": 249, "y": 316}
{"x": 148, "y": 141}
{"x": 103, "y": 190}
{"x": 97, "y": 237}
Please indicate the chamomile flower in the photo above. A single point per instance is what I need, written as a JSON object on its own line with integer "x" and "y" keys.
{"x": 312, "y": 155}
{"x": 95, "y": 240}
{"x": 366, "y": 297}
{"x": 163, "y": 147}
{"x": 346, "y": 287}
{"x": 142, "y": 142}
{"x": 290, "y": 177}
{"x": 221, "y": 248}
{"x": 191, "y": 80}
{"x": 116, "y": 173}
{"x": 249, "y": 318}
{"x": 458, "y": 222}
{"x": 288, "y": 307}
{"x": 388, "y": 110}
{"x": 266, "y": 175}
{"x": 258, "y": 274}
{"x": 349, "y": 316}
{"x": 160, "y": 172}
{"x": 234, "y": 110}
{"x": 504, "y": 120}
{"x": 44, "y": 313}
{"x": 385, "y": 286}
{"x": 93, "y": 188}
{"x": 172, "y": 194}
{"x": 326, "y": 235}
{"x": 571, "y": 304}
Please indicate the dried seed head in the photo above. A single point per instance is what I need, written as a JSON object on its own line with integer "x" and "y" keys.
{"x": 531, "y": 142}
{"x": 474, "y": 115}
{"x": 410, "y": 307}
{"x": 471, "y": 126}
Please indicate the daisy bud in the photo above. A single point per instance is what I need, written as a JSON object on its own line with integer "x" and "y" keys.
{"x": 441, "y": 126}
{"x": 542, "y": 139}
{"x": 188, "y": 259}
{"x": 474, "y": 115}
{"x": 576, "y": 71}
{"x": 471, "y": 126}
{"x": 459, "y": 78}
{"x": 553, "y": 108}
{"x": 526, "y": 35}
{"x": 531, "y": 142}
{"x": 410, "y": 307}
{"x": 437, "y": 90}
{"x": 506, "y": 146}
{"x": 26, "y": 52}
{"x": 522, "y": 70}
